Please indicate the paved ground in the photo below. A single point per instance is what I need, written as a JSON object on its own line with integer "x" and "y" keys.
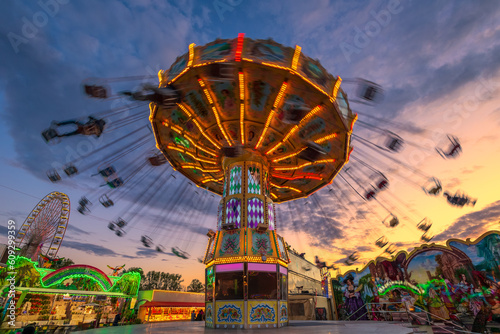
{"x": 310, "y": 327}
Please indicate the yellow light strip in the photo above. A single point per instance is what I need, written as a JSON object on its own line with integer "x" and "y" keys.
{"x": 198, "y": 125}
{"x": 296, "y": 56}
{"x": 304, "y": 164}
{"x": 246, "y": 59}
{"x": 211, "y": 62}
{"x": 242, "y": 85}
{"x": 288, "y": 156}
{"x": 271, "y": 114}
{"x": 201, "y": 169}
{"x": 274, "y": 196}
{"x": 191, "y": 54}
{"x": 285, "y": 187}
{"x": 309, "y": 82}
{"x": 178, "y": 75}
{"x": 212, "y": 180}
{"x": 183, "y": 150}
{"x": 336, "y": 88}
{"x": 216, "y": 114}
{"x": 209, "y": 98}
{"x": 276, "y": 66}
{"x": 179, "y": 131}
{"x": 325, "y": 138}
{"x": 310, "y": 114}
{"x": 161, "y": 78}
{"x": 241, "y": 79}
{"x": 221, "y": 127}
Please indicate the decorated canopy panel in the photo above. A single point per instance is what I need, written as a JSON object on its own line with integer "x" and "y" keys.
{"x": 262, "y": 96}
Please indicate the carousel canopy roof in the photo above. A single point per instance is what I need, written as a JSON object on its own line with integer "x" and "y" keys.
{"x": 260, "y": 96}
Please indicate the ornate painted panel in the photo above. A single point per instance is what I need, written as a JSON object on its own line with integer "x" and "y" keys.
{"x": 235, "y": 180}
{"x": 262, "y": 313}
{"x": 210, "y": 250}
{"x": 283, "y": 312}
{"x": 270, "y": 216}
{"x": 229, "y": 313}
{"x": 253, "y": 180}
{"x": 230, "y": 244}
{"x": 261, "y": 244}
{"x": 255, "y": 212}
{"x": 233, "y": 212}
{"x": 209, "y": 315}
{"x": 282, "y": 250}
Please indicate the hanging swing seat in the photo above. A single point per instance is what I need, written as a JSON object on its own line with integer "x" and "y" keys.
{"x": 53, "y": 176}
{"x": 106, "y": 201}
{"x": 70, "y": 170}
{"x": 179, "y": 253}
{"x": 49, "y": 134}
{"x": 99, "y": 92}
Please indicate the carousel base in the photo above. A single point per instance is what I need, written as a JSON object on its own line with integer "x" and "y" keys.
{"x": 297, "y": 326}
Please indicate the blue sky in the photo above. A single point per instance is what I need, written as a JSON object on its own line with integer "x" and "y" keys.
{"x": 437, "y": 61}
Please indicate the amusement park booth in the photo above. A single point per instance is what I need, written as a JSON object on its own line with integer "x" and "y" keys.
{"x": 257, "y": 123}
{"x": 162, "y": 305}
{"x": 78, "y": 295}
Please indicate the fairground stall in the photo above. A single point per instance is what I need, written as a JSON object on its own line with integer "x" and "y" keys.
{"x": 458, "y": 281}
{"x": 72, "y": 295}
{"x": 162, "y": 305}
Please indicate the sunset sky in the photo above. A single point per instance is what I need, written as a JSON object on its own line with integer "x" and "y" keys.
{"x": 438, "y": 62}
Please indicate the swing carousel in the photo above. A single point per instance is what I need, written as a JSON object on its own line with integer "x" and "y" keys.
{"x": 257, "y": 123}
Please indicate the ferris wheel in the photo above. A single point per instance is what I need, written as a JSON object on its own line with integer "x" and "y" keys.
{"x": 43, "y": 230}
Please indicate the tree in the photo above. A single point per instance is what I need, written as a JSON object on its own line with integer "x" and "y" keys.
{"x": 196, "y": 286}
{"x": 135, "y": 270}
{"x": 161, "y": 281}
{"x": 64, "y": 262}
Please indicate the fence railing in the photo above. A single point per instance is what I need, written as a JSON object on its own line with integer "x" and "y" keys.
{"x": 382, "y": 308}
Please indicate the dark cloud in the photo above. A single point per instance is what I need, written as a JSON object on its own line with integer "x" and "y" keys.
{"x": 73, "y": 229}
{"x": 93, "y": 249}
{"x": 472, "y": 224}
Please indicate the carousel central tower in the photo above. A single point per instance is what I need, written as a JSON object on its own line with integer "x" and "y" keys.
{"x": 257, "y": 123}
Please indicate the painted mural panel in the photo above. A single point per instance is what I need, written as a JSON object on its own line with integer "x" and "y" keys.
{"x": 262, "y": 312}
{"x": 283, "y": 312}
{"x": 261, "y": 243}
{"x": 230, "y": 244}
{"x": 209, "y": 315}
{"x": 282, "y": 250}
{"x": 457, "y": 281}
{"x": 229, "y": 313}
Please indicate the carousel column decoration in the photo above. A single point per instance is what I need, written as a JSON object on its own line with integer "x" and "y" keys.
{"x": 257, "y": 123}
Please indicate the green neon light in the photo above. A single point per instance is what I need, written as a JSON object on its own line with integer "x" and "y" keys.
{"x": 182, "y": 141}
{"x": 134, "y": 277}
{"x": 182, "y": 157}
{"x": 399, "y": 286}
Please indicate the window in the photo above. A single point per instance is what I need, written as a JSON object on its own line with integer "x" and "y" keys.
{"x": 229, "y": 285}
{"x": 262, "y": 285}
{"x": 283, "y": 287}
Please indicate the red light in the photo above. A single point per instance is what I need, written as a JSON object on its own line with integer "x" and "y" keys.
{"x": 239, "y": 47}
